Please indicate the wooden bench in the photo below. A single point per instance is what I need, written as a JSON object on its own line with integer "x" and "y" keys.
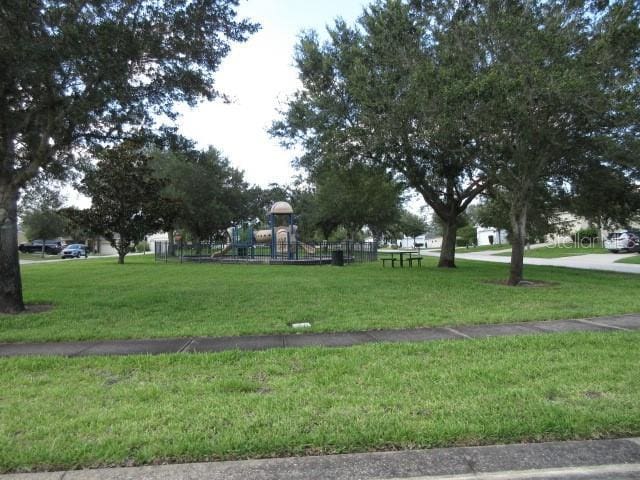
{"x": 417, "y": 259}
{"x": 389, "y": 259}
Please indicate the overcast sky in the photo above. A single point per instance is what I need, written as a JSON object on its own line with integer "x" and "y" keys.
{"x": 259, "y": 76}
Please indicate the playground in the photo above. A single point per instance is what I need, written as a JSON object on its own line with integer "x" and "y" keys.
{"x": 279, "y": 244}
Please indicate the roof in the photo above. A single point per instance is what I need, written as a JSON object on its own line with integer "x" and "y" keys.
{"x": 281, "y": 208}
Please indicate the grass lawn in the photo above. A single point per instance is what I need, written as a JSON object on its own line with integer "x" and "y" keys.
{"x": 58, "y": 413}
{"x": 635, "y": 259}
{"x": 37, "y": 257}
{"x": 99, "y": 299}
{"x": 559, "y": 251}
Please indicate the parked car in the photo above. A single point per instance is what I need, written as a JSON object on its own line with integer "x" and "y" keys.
{"x": 51, "y": 247}
{"x": 623, "y": 241}
{"x": 75, "y": 250}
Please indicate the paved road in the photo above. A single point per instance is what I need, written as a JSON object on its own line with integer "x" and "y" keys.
{"x": 58, "y": 259}
{"x": 592, "y": 460}
{"x": 592, "y": 261}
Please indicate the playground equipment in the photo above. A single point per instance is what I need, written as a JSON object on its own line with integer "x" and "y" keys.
{"x": 279, "y": 244}
{"x": 281, "y": 238}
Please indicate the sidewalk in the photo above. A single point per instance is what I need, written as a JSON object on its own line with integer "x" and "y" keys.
{"x": 600, "y": 459}
{"x": 592, "y": 261}
{"x": 340, "y": 339}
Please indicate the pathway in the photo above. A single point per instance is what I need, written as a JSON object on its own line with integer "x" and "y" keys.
{"x": 592, "y": 261}
{"x": 339, "y": 339}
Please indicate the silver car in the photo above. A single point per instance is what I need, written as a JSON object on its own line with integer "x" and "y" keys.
{"x": 623, "y": 241}
{"x": 75, "y": 250}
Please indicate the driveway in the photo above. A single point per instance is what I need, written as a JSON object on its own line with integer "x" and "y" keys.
{"x": 592, "y": 261}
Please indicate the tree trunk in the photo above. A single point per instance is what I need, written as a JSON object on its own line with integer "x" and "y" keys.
{"x": 448, "y": 250}
{"x": 10, "y": 282}
{"x": 519, "y": 227}
{"x": 122, "y": 247}
{"x": 171, "y": 246}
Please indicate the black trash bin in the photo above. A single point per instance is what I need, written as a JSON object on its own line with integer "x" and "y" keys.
{"x": 337, "y": 258}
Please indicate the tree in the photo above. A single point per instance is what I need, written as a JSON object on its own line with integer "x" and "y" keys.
{"x": 75, "y": 74}
{"x": 606, "y": 197}
{"x": 395, "y": 92}
{"x": 39, "y": 211}
{"x": 210, "y": 194}
{"x": 542, "y": 216}
{"x": 43, "y": 224}
{"x": 354, "y": 197}
{"x": 561, "y": 85}
{"x": 126, "y": 200}
{"x": 412, "y": 225}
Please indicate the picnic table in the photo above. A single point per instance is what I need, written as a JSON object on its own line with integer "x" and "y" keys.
{"x": 395, "y": 255}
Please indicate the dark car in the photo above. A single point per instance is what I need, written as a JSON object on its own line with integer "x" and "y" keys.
{"x": 51, "y": 247}
{"x": 75, "y": 250}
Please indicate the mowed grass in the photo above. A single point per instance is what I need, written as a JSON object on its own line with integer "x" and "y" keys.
{"x": 556, "y": 251}
{"x": 634, "y": 260}
{"x": 60, "y": 413}
{"x": 98, "y": 299}
{"x": 37, "y": 257}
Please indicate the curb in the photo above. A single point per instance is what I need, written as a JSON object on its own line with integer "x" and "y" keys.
{"x": 593, "y": 459}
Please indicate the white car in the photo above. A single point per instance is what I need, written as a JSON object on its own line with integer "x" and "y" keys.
{"x": 623, "y": 241}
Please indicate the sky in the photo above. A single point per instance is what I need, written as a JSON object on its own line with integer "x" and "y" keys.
{"x": 259, "y": 76}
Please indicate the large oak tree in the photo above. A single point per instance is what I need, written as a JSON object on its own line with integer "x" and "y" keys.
{"x": 560, "y": 94}
{"x": 395, "y": 92}
{"x": 73, "y": 73}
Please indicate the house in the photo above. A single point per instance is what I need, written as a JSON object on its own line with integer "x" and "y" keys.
{"x": 421, "y": 241}
{"x": 160, "y": 237}
{"x": 491, "y": 236}
{"x": 101, "y": 246}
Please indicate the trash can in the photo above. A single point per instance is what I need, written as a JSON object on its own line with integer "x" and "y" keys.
{"x": 337, "y": 258}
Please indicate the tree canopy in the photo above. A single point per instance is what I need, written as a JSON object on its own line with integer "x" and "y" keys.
{"x": 560, "y": 91}
{"x": 209, "y": 194}
{"x": 393, "y": 92}
{"x": 353, "y": 197}
{"x": 454, "y": 97}
{"x": 126, "y": 198}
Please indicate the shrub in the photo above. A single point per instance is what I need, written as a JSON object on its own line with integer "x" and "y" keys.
{"x": 590, "y": 235}
{"x": 467, "y": 236}
{"x": 142, "y": 246}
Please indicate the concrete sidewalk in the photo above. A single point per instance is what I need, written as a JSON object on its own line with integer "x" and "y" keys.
{"x": 592, "y": 261}
{"x": 340, "y": 339}
{"x": 600, "y": 459}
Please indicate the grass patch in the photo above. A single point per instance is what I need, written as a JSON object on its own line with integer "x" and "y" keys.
{"x": 634, "y": 260}
{"x": 558, "y": 251}
{"x": 99, "y": 299}
{"x": 37, "y": 257}
{"x": 60, "y": 413}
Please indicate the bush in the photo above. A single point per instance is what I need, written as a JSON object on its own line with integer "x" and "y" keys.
{"x": 467, "y": 236}
{"x": 589, "y": 235}
{"x": 142, "y": 246}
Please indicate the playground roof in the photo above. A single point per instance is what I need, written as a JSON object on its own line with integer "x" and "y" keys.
{"x": 281, "y": 208}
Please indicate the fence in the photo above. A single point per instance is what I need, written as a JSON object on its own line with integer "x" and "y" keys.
{"x": 285, "y": 252}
